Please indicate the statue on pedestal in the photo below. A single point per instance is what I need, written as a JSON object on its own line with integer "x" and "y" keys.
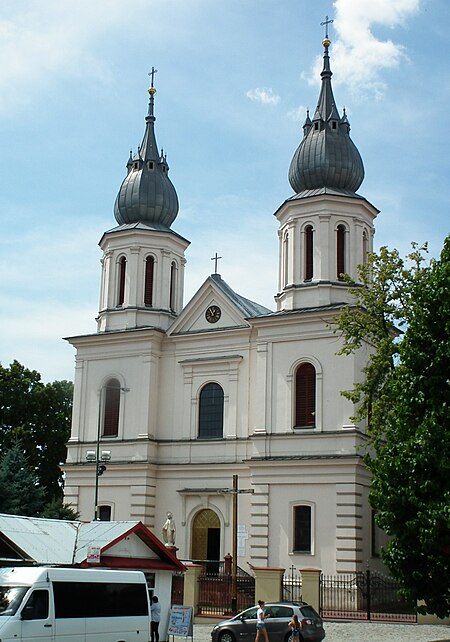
{"x": 169, "y": 530}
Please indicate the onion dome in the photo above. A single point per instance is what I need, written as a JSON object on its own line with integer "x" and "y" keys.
{"x": 147, "y": 195}
{"x": 326, "y": 157}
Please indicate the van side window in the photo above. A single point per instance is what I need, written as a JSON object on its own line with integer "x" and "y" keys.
{"x": 99, "y": 599}
{"x": 36, "y": 607}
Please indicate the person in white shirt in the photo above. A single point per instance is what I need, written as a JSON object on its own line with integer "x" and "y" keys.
{"x": 155, "y": 610}
{"x": 260, "y": 622}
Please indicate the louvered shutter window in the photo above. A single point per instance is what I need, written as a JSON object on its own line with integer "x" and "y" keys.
{"x": 340, "y": 251}
{"x": 305, "y": 396}
{"x": 309, "y": 233}
{"x": 121, "y": 288}
{"x": 211, "y": 412}
{"x": 111, "y": 409}
{"x": 148, "y": 286}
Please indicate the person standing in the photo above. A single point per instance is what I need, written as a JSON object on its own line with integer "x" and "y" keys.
{"x": 155, "y": 610}
{"x": 295, "y": 627}
{"x": 261, "y": 623}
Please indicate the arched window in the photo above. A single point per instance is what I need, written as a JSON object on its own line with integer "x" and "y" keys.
{"x": 104, "y": 513}
{"x": 365, "y": 248}
{"x": 286, "y": 259}
{"x": 121, "y": 283}
{"x": 111, "y": 407}
{"x": 309, "y": 233}
{"x": 302, "y": 529}
{"x": 305, "y": 396}
{"x": 210, "y": 425}
{"x": 148, "y": 283}
{"x": 173, "y": 276}
{"x": 340, "y": 252}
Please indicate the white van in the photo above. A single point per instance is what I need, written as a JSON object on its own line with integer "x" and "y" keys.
{"x": 44, "y": 604}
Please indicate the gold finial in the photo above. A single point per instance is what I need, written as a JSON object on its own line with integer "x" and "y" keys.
{"x": 326, "y": 42}
{"x": 152, "y": 91}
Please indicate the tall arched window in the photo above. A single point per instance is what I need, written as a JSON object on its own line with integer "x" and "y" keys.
{"x": 340, "y": 252}
{"x": 173, "y": 276}
{"x": 210, "y": 424}
{"x": 148, "y": 283}
{"x": 309, "y": 233}
{"x": 365, "y": 247}
{"x": 305, "y": 396}
{"x": 286, "y": 259}
{"x": 111, "y": 407}
{"x": 121, "y": 283}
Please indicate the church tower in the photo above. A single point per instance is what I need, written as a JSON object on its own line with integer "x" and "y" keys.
{"x": 326, "y": 228}
{"x": 143, "y": 258}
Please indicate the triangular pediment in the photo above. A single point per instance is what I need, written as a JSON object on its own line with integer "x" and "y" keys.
{"x": 215, "y": 306}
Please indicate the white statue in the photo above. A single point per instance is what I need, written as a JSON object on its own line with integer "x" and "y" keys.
{"x": 169, "y": 530}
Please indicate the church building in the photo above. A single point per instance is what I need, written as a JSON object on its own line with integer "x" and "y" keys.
{"x": 181, "y": 402}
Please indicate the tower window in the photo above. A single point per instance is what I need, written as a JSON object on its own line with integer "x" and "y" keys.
{"x": 111, "y": 407}
{"x": 333, "y": 124}
{"x": 302, "y": 529}
{"x": 148, "y": 284}
{"x": 104, "y": 513}
{"x": 340, "y": 252}
{"x": 365, "y": 248}
{"x": 309, "y": 234}
{"x": 305, "y": 396}
{"x": 150, "y": 164}
{"x": 316, "y": 126}
{"x": 121, "y": 284}
{"x": 173, "y": 276}
{"x": 210, "y": 424}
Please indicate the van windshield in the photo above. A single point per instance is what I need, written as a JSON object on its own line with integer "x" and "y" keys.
{"x": 11, "y": 598}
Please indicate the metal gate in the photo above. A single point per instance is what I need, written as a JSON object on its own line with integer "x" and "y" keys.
{"x": 363, "y": 596}
{"x": 216, "y": 590}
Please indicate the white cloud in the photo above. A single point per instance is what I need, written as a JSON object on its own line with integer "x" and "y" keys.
{"x": 263, "y": 95}
{"x": 298, "y": 114}
{"x": 358, "y": 56}
{"x": 44, "y": 39}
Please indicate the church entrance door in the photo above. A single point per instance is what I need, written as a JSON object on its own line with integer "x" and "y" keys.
{"x": 206, "y": 536}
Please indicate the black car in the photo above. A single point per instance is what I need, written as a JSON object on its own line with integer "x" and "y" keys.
{"x": 242, "y": 627}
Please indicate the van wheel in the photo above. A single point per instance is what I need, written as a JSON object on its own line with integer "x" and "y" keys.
{"x": 226, "y": 636}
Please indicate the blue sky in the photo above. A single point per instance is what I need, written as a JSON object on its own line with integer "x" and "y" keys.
{"x": 234, "y": 80}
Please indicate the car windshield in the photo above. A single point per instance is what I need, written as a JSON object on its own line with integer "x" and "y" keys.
{"x": 10, "y": 598}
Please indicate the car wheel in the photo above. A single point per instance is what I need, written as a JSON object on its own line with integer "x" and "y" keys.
{"x": 226, "y": 636}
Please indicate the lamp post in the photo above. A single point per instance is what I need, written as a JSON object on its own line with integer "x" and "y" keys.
{"x": 99, "y": 458}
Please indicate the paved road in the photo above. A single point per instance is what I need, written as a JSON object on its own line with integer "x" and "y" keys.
{"x": 361, "y": 631}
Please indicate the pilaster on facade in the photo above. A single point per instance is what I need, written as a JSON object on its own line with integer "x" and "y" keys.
{"x": 143, "y": 503}
{"x": 259, "y": 526}
{"x": 349, "y": 528}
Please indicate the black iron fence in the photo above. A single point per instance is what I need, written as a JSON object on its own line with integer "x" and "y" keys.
{"x": 292, "y": 585}
{"x": 217, "y": 590}
{"x": 363, "y": 596}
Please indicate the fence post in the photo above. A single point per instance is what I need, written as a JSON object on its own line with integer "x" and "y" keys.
{"x": 191, "y": 589}
{"x": 268, "y": 583}
{"x": 311, "y": 586}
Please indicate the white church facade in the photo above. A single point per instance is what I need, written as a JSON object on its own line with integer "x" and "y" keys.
{"x": 178, "y": 399}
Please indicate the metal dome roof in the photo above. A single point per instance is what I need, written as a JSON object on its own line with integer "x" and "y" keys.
{"x": 147, "y": 195}
{"x": 326, "y": 157}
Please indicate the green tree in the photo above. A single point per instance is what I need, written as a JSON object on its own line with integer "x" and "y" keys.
{"x": 406, "y": 397}
{"x": 36, "y": 415}
{"x": 57, "y": 509}
{"x": 20, "y": 493}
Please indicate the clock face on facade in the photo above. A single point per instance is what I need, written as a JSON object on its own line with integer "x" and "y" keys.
{"x": 212, "y": 314}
